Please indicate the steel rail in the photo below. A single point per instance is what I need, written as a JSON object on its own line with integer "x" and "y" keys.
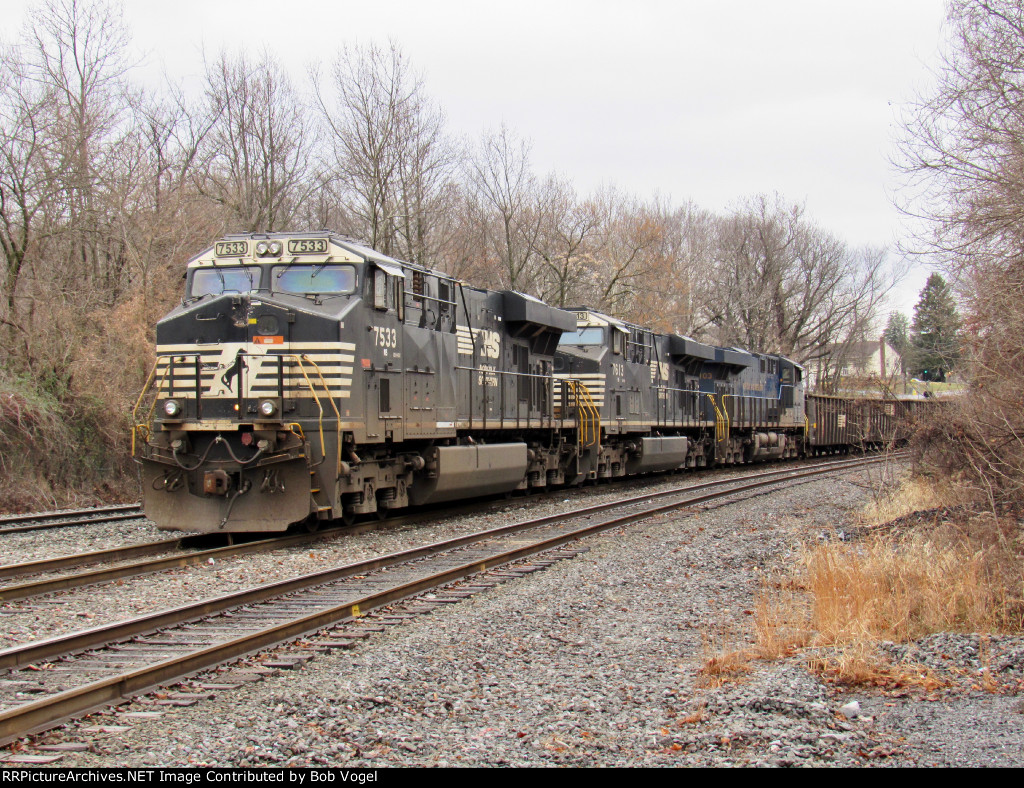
{"x": 45, "y": 565}
{"x": 38, "y": 587}
{"x": 48, "y": 711}
{"x": 39, "y": 522}
{"x": 34, "y": 521}
{"x": 94, "y": 577}
{"x": 112, "y": 509}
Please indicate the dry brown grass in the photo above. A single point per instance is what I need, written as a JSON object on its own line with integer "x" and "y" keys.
{"x": 903, "y": 589}
{"x": 695, "y": 717}
{"x": 64, "y": 427}
{"x": 860, "y": 664}
{"x": 724, "y": 660}
{"x": 781, "y": 622}
{"x": 913, "y": 494}
{"x": 957, "y": 572}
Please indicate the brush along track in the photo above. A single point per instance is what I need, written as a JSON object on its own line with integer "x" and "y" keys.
{"x": 19, "y": 523}
{"x": 114, "y": 662}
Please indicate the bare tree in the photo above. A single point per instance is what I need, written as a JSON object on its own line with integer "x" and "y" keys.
{"x": 632, "y": 239}
{"x": 426, "y": 169}
{"x": 464, "y": 254}
{"x": 963, "y": 153}
{"x": 964, "y": 145}
{"x": 510, "y": 207}
{"x": 63, "y": 129}
{"x": 678, "y": 287}
{"x": 163, "y": 216}
{"x": 81, "y": 59}
{"x": 784, "y": 285}
{"x": 27, "y": 174}
{"x": 566, "y": 244}
{"x": 323, "y": 206}
{"x": 257, "y": 157}
{"x": 392, "y": 160}
{"x": 174, "y": 131}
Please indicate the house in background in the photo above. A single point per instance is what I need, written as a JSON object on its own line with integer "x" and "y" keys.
{"x": 858, "y": 360}
{"x": 869, "y": 359}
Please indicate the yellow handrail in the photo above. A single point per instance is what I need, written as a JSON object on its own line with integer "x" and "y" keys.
{"x": 337, "y": 413}
{"x": 145, "y": 388}
{"x": 589, "y": 417}
{"x": 721, "y": 419}
{"x": 592, "y": 407}
{"x": 136, "y": 426}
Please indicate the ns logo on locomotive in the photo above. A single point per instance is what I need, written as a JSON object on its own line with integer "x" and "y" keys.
{"x": 305, "y": 377}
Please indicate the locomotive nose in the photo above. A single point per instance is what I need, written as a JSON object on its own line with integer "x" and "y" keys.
{"x": 240, "y": 307}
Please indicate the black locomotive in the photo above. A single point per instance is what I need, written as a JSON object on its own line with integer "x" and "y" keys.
{"x": 305, "y": 377}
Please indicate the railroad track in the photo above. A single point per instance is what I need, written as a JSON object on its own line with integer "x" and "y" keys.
{"x": 169, "y": 554}
{"x": 110, "y": 663}
{"x": 177, "y": 559}
{"x": 19, "y": 523}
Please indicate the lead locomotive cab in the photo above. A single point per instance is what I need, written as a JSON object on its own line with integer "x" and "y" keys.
{"x": 242, "y": 423}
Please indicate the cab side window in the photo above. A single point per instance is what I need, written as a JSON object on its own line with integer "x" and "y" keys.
{"x": 380, "y": 290}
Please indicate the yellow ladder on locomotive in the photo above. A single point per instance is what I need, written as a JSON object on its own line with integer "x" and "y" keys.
{"x": 722, "y": 426}
{"x": 588, "y": 417}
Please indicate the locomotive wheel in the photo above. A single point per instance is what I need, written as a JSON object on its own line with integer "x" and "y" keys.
{"x": 312, "y": 524}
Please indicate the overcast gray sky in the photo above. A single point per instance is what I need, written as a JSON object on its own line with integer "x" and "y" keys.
{"x": 691, "y": 99}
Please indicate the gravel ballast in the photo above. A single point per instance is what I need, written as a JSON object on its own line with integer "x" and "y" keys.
{"x": 594, "y": 661}
{"x": 92, "y": 606}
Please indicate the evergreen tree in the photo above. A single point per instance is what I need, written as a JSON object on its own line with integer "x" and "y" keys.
{"x": 897, "y": 334}
{"x": 934, "y": 333}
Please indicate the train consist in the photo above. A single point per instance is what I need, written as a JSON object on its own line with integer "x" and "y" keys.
{"x": 305, "y": 377}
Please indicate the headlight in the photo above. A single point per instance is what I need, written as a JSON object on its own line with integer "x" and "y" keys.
{"x": 269, "y": 249}
{"x": 172, "y": 408}
{"x": 268, "y": 408}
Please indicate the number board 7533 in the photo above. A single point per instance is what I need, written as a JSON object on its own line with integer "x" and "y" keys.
{"x": 308, "y": 246}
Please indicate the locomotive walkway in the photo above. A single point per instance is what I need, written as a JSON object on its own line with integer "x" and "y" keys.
{"x": 111, "y": 663}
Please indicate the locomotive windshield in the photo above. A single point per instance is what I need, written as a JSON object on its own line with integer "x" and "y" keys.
{"x": 591, "y": 335}
{"x": 225, "y": 279}
{"x": 315, "y": 279}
